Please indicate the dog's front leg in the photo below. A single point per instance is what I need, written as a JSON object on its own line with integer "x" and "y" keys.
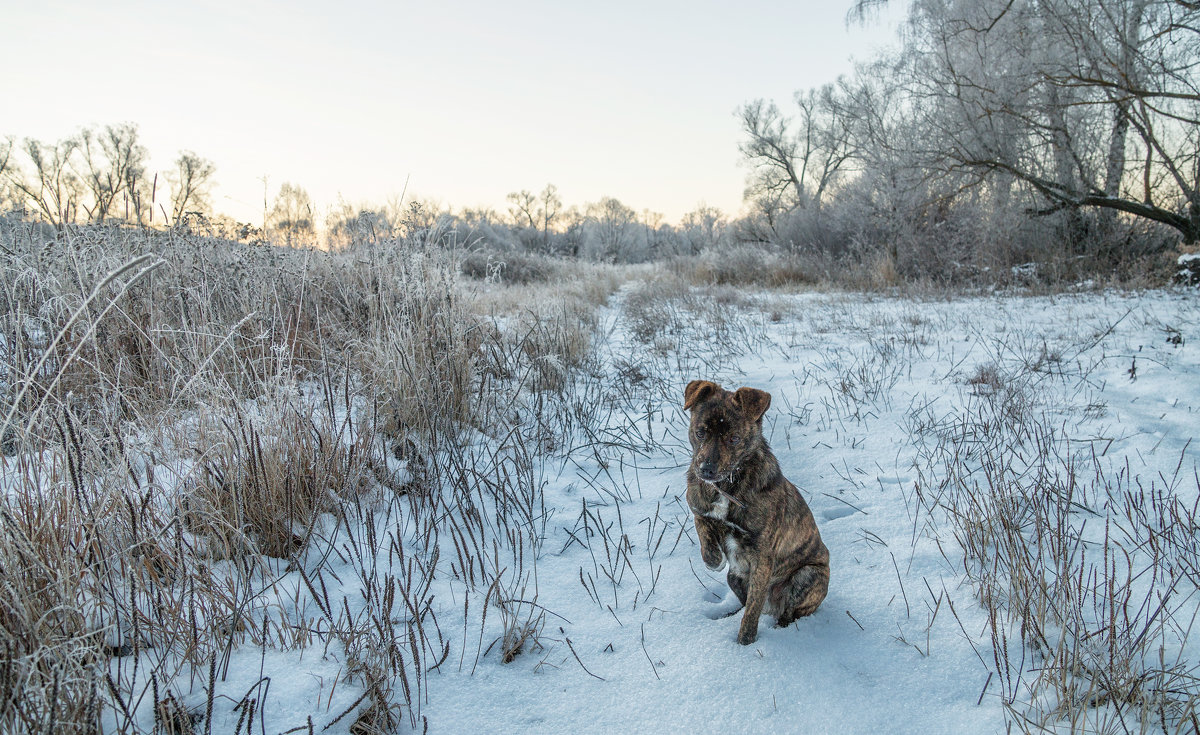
{"x": 711, "y": 535}
{"x": 756, "y": 595}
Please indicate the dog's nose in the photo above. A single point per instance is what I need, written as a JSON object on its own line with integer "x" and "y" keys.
{"x": 708, "y": 471}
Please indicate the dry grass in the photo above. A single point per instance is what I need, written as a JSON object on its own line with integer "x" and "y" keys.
{"x": 712, "y": 322}
{"x": 50, "y": 648}
{"x": 259, "y": 489}
{"x": 190, "y": 422}
{"x": 1084, "y": 571}
{"x": 745, "y": 265}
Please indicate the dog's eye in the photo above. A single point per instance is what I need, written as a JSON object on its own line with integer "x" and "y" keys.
{"x": 701, "y": 433}
{"x": 734, "y": 440}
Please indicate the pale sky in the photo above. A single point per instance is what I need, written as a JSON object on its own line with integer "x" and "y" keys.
{"x": 468, "y": 101}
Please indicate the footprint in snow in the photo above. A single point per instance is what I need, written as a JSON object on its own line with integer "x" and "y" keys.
{"x": 832, "y": 514}
{"x": 723, "y": 607}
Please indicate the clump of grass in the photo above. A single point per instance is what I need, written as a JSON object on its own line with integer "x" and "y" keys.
{"x": 986, "y": 379}
{"x": 539, "y": 367}
{"x": 700, "y": 326}
{"x": 555, "y": 340}
{"x": 421, "y": 351}
{"x": 50, "y": 651}
{"x": 511, "y": 266}
{"x": 744, "y": 265}
{"x": 1082, "y": 571}
{"x": 260, "y": 490}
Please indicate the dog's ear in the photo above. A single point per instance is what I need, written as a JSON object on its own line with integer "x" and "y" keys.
{"x": 753, "y": 402}
{"x": 697, "y": 391}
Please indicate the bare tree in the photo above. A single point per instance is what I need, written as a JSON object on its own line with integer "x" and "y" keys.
{"x": 534, "y": 214}
{"x": 1139, "y": 62}
{"x": 549, "y": 206}
{"x": 703, "y": 227}
{"x": 611, "y": 230}
{"x": 347, "y": 225}
{"x": 524, "y": 209}
{"x": 55, "y": 190}
{"x": 574, "y": 231}
{"x": 772, "y": 151}
{"x": 114, "y": 163}
{"x": 863, "y": 10}
{"x": 190, "y": 181}
{"x": 796, "y": 160}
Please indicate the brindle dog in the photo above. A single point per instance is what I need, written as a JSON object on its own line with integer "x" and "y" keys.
{"x": 747, "y": 513}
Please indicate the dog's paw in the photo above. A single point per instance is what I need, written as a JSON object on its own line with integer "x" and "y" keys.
{"x": 746, "y": 638}
{"x": 713, "y": 558}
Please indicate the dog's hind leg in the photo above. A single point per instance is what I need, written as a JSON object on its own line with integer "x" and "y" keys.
{"x": 802, "y": 594}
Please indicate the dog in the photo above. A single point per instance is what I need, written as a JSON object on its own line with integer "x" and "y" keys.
{"x": 747, "y": 514}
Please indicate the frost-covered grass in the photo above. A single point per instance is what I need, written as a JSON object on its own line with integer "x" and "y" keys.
{"x": 248, "y": 489}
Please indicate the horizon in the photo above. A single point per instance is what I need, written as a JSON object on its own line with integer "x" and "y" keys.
{"x": 632, "y": 104}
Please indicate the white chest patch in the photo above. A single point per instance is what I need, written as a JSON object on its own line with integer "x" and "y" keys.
{"x": 733, "y": 553}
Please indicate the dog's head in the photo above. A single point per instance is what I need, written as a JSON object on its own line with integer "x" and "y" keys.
{"x": 726, "y": 427}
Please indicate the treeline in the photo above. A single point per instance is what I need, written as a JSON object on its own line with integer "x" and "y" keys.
{"x": 100, "y": 175}
{"x": 1058, "y": 139}
{"x": 604, "y": 231}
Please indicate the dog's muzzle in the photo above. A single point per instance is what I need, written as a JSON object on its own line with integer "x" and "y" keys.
{"x": 707, "y": 471}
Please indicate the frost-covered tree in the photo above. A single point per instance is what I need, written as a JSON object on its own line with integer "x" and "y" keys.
{"x": 292, "y": 215}
{"x": 611, "y": 232}
{"x": 523, "y": 211}
{"x": 702, "y": 228}
{"x": 346, "y": 225}
{"x": 534, "y": 215}
{"x": 549, "y": 207}
{"x": 1085, "y": 103}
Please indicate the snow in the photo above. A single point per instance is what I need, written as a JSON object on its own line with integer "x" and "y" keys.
{"x": 900, "y": 645}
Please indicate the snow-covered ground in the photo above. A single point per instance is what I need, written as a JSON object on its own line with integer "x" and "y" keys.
{"x": 629, "y": 636}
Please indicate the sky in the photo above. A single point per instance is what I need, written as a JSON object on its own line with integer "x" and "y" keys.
{"x": 457, "y": 103}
